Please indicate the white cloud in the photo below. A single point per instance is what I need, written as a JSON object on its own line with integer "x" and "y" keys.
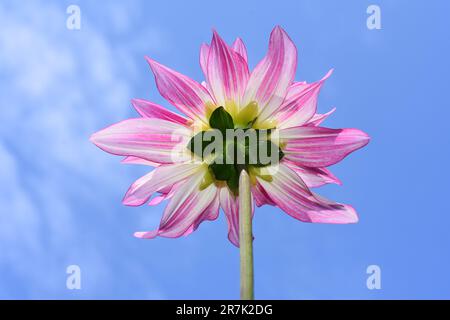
{"x": 57, "y": 87}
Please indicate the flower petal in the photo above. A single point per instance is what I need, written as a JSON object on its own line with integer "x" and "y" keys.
{"x": 344, "y": 214}
{"x": 204, "y": 52}
{"x": 187, "y": 208}
{"x": 165, "y": 193}
{"x": 271, "y": 78}
{"x": 300, "y": 104}
{"x": 239, "y": 47}
{"x": 319, "y": 146}
{"x": 151, "y": 139}
{"x": 313, "y": 177}
{"x": 149, "y": 109}
{"x": 230, "y": 206}
{"x": 292, "y": 196}
{"x": 211, "y": 213}
{"x": 227, "y": 72}
{"x": 318, "y": 118}
{"x": 260, "y": 196}
{"x": 160, "y": 179}
{"x": 187, "y": 95}
{"x": 136, "y": 160}
{"x": 159, "y": 198}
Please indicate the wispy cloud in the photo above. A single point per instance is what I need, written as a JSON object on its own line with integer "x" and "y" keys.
{"x": 57, "y": 87}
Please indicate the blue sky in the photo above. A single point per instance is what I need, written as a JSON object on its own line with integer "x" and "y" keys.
{"x": 60, "y": 203}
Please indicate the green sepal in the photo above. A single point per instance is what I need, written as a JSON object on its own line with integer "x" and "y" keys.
{"x": 233, "y": 181}
{"x": 222, "y": 171}
{"x": 198, "y": 138}
{"x": 221, "y": 119}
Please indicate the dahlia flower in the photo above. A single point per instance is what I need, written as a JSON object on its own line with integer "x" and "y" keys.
{"x": 231, "y": 98}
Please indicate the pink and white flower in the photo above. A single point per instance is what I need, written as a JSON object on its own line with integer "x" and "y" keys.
{"x": 267, "y": 97}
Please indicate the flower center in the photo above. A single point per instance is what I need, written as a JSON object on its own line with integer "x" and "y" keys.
{"x": 232, "y": 144}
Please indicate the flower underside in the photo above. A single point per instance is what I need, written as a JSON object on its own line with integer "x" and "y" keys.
{"x": 230, "y": 146}
{"x": 261, "y": 120}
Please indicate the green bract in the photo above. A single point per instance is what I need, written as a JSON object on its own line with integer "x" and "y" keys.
{"x": 220, "y": 119}
{"x": 237, "y": 149}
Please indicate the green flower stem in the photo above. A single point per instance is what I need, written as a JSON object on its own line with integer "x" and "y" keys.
{"x": 246, "y": 236}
